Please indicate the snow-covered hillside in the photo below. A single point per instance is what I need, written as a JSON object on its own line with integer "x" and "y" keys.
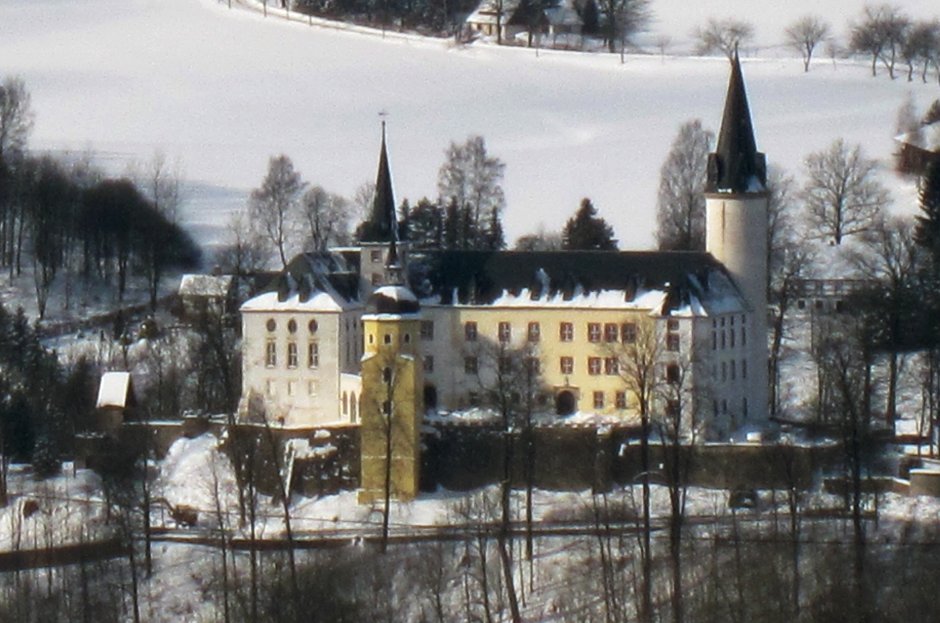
{"x": 222, "y": 90}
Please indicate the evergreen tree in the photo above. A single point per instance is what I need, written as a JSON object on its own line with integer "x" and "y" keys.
{"x": 927, "y": 231}
{"x": 591, "y": 18}
{"x": 933, "y": 113}
{"x": 586, "y": 231}
{"x": 426, "y": 225}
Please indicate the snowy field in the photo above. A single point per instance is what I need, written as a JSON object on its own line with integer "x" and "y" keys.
{"x": 221, "y": 90}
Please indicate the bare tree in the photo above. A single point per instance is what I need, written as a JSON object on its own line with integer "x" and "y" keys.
{"x": 921, "y": 45}
{"x": 842, "y": 195}
{"x": 723, "y": 35}
{"x": 16, "y": 122}
{"x": 245, "y": 250}
{"x": 273, "y": 205}
{"x": 640, "y": 360}
{"x": 623, "y": 19}
{"x": 472, "y": 179}
{"x": 16, "y": 119}
{"x": 805, "y": 34}
{"x": 881, "y": 33}
{"x": 541, "y": 240}
{"x": 325, "y": 218}
{"x": 680, "y": 205}
{"x": 892, "y": 259}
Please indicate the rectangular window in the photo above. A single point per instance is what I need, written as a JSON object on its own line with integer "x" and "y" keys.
{"x": 291, "y": 388}
{"x": 311, "y": 388}
{"x": 505, "y": 332}
{"x": 567, "y": 365}
{"x": 672, "y": 374}
{"x": 292, "y": 354}
{"x": 376, "y": 256}
{"x": 610, "y": 332}
{"x": 628, "y": 333}
{"x": 598, "y": 400}
{"x": 313, "y": 355}
{"x": 429, "y": 364}
{"x": 594, "y": 332}
{"x": 594, "y": 366}
{"x": 535, "y": 332}
{"x": 621, "y": 398}
{"x": 672, "y": 324}
{"x": 743, "y": 336}
{"x": 731, "y": 337}
{"x": 744, "y": 368}
{"x": 470, "y": 331}
{"x": 611, "y": 366}
{"x": 427, "y": 330}
{"x": 722, "y": 339}
{"x": 672, "y": 408}
{"x": 714, "y": 340}
{"x": 672, "y": 342}
{"x": 724, "y": 371}
{"x": 269, "y": 386}
{"x": 566, "y": 332}
{"x": 473, "y": 399}
{"x": 270, "y": 353}
{"x": 734, "y": 368}
{"x": 470, "y": 365}
{"x": 376, "y": 279}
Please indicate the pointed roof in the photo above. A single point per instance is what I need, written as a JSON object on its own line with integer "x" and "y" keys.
{"x": 383, "y": 224}
{"x": 736, "y": 166}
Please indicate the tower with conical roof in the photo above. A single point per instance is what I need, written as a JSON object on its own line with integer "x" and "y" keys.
{"x": 379, "y": 237}
{"x": 736, "y": 235}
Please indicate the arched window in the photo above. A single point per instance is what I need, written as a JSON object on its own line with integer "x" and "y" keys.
{"x": 345, "y": 404}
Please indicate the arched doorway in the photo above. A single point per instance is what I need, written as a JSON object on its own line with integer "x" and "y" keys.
{"x": 430, "y": 397}
{"x": 565, "y": 403}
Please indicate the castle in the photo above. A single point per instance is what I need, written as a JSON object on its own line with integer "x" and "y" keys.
{"x": 376, "y": 335}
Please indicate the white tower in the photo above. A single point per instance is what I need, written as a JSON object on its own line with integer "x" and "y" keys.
{"x": 736, "y": 229}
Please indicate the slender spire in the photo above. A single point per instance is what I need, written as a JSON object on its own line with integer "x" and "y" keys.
{"x": 736, "y": 166}
{"x": 383, "y": 224}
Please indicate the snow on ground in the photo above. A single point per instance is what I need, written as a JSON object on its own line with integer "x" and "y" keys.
{"x": 223, "y": 90}
{"x": 65, "y": 508}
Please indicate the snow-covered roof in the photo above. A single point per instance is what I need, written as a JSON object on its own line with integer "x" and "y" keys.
{"x": 205, "y": 285}
{"x": 269, "y": 301}
{"x": 114, "y": 390}
{"x": 925, "y": 137}
{"x": 311, "y": 282}
{"x": 396, "y": 293}
{"x": 664, "y": 283}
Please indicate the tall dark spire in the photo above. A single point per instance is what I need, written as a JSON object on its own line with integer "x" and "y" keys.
{"x": 736, "y": 166}
{"x": 383, "y": 224}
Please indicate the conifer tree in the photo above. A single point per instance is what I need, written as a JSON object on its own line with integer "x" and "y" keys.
{"x": 586, "y": 231}
{"x": 927, "y": 231}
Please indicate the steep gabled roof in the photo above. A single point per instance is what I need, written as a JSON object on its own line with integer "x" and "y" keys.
{"x": 736, "y": 166}
{"x": 312, "y": 281}
{"x": 382, "y": 225}
{"x": 675, "y": 279}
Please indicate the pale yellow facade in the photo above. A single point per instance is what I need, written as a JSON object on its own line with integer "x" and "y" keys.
{"x": 391, "y": 407}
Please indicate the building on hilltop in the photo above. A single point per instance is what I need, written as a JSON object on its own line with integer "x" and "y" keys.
{"x": 309, "y": 344}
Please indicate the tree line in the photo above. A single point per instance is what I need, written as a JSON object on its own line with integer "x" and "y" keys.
{"x": 63, "y": 219}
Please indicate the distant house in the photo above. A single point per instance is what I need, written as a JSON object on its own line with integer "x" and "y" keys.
{"x": 201, "y": 293}
{"x": 918, "y": 148}
{"x": 512, "y": 17}
{"x": 493, "y": 16}
{"x": 116, "y": 401}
